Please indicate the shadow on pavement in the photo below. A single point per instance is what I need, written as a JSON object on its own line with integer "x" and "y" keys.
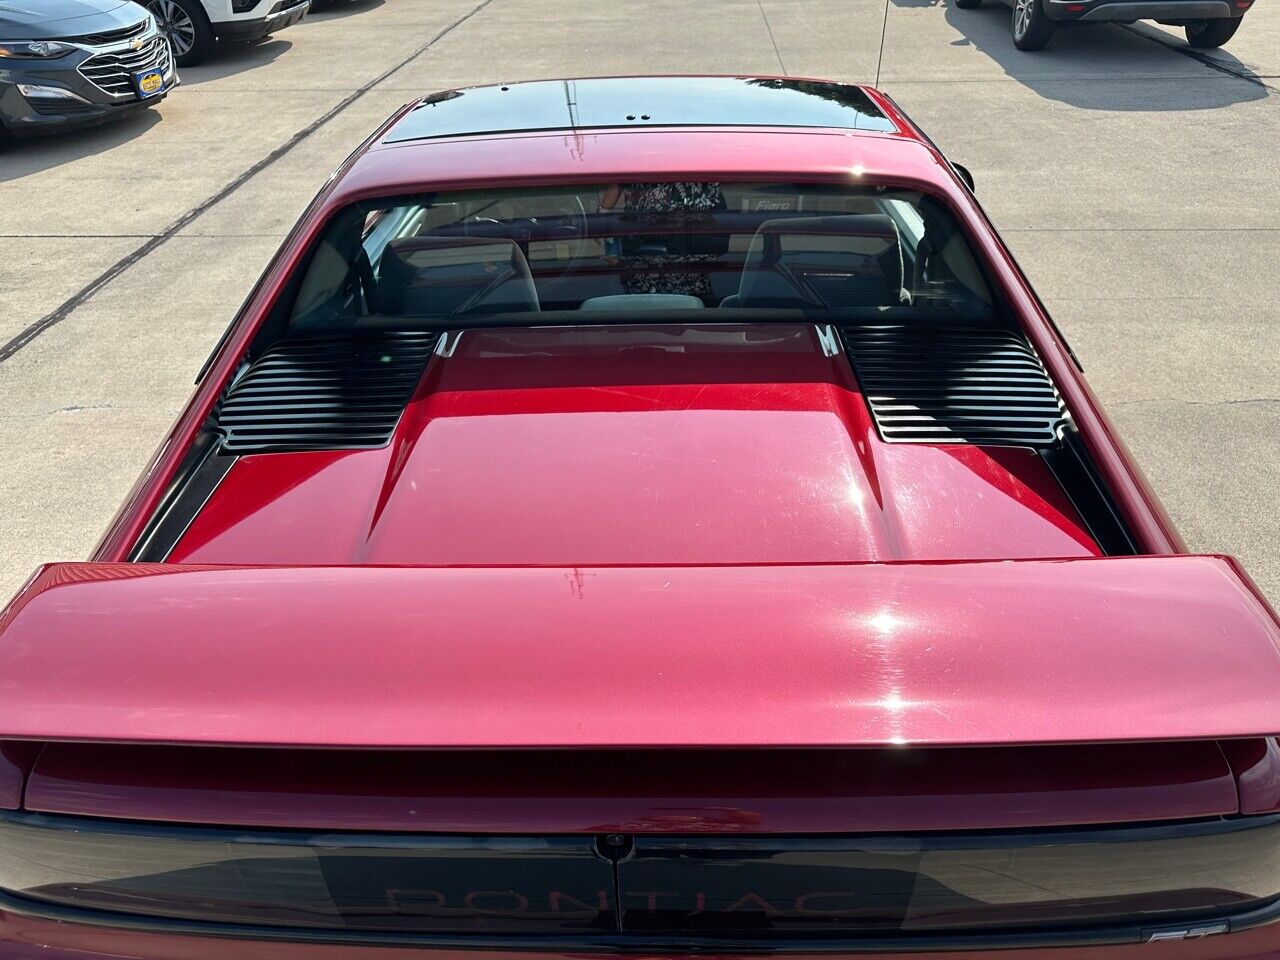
{"x": 232, "y": 58}
{"x": 337, "y": 9}
{"x": 1101, "y": 66}
{"x": 27, "y": 156}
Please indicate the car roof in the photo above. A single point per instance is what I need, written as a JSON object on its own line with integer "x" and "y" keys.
{"x": 759, "y": 129}
{"x": 630, "y": 102}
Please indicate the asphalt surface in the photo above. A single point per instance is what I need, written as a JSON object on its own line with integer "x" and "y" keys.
{"x": 1136, "y": 181}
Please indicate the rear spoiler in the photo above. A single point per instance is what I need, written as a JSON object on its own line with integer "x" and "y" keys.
{"x": 944, "y": 654}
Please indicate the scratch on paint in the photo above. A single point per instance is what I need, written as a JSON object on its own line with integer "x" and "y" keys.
{"x": 577, "y": 580}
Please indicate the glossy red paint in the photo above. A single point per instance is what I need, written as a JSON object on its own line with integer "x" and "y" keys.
{"x": 811, "y": 156}
{"x": 864, "y": 655}
{"x": 778, "y": 156}
{"x": 630, "y": 791}
{"x": 658, "y": 445}
{"x": 24, "y": 938}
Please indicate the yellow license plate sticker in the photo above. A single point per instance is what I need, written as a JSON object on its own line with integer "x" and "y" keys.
{"x": 150, "y": 83}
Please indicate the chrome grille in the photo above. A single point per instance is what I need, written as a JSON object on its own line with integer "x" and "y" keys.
{"x": 108, "y": 37}
{"x": 113, "y": 72}
{"x": 954, "y": 385}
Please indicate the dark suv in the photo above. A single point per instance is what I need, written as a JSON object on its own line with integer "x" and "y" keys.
{"x": 74, "y": 63}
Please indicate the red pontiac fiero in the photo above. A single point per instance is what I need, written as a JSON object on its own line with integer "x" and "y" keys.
{"x": 641, "y": 515}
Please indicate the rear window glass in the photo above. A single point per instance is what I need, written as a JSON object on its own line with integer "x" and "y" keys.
{"x": 643, "y": 246}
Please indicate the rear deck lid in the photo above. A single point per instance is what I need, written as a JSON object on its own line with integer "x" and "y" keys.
{"x": 943, "y": 654}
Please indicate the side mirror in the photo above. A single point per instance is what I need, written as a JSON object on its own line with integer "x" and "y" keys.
{"x": 964, "y": 174}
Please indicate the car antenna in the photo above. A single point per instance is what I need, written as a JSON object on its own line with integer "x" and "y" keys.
{"x": 884, "y": 28}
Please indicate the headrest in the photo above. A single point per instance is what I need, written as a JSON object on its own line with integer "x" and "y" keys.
{"x": 643, "y": 301}
{"x": 439, "y": 276}
{"x": 845, "y": 225}
{"x": 838, "y": 261}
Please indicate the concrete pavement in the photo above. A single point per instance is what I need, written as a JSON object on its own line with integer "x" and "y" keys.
{"x": 1137, "y": 184}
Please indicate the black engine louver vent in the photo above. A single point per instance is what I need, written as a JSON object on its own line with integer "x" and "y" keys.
{"x": 954, "y": 385}
{"x": 335, "y": 392}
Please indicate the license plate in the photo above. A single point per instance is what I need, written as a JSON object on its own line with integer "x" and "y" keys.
{"x": 149, "y": 83}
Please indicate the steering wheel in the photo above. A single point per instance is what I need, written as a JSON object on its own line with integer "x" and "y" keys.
{"x": 492, "y": 227}
{"x": 569, "y": 222}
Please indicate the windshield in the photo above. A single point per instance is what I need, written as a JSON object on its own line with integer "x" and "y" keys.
{"x": 644, "y": 247}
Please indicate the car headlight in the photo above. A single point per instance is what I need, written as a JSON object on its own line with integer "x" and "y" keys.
{"x": 34, "y": 49}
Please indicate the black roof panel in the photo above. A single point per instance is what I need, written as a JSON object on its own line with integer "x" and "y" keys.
{"x": 640, "y": 102}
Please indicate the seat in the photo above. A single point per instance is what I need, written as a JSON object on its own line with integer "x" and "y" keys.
{"x": 442, "y": 276}
{"x": 836, "y": 262}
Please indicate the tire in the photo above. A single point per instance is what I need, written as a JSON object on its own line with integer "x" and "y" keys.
{"x": 1207, "y": 34}
{"x": 968, "y": 4}
{"x": 187, "y": 26}
{"x": 1032, "y": 28}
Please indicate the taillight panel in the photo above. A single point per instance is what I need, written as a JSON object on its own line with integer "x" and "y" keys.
{"x": 428, "y": 884}
{"x": 947, "y": 883}
{"x": 1107, "y": 884}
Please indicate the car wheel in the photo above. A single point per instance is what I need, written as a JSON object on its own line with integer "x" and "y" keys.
{"x": 1032, "y": 27}
{"x": 185, "y": 24}
{"x": 1212, "y": 33}
{"x": 968, "y": 4}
